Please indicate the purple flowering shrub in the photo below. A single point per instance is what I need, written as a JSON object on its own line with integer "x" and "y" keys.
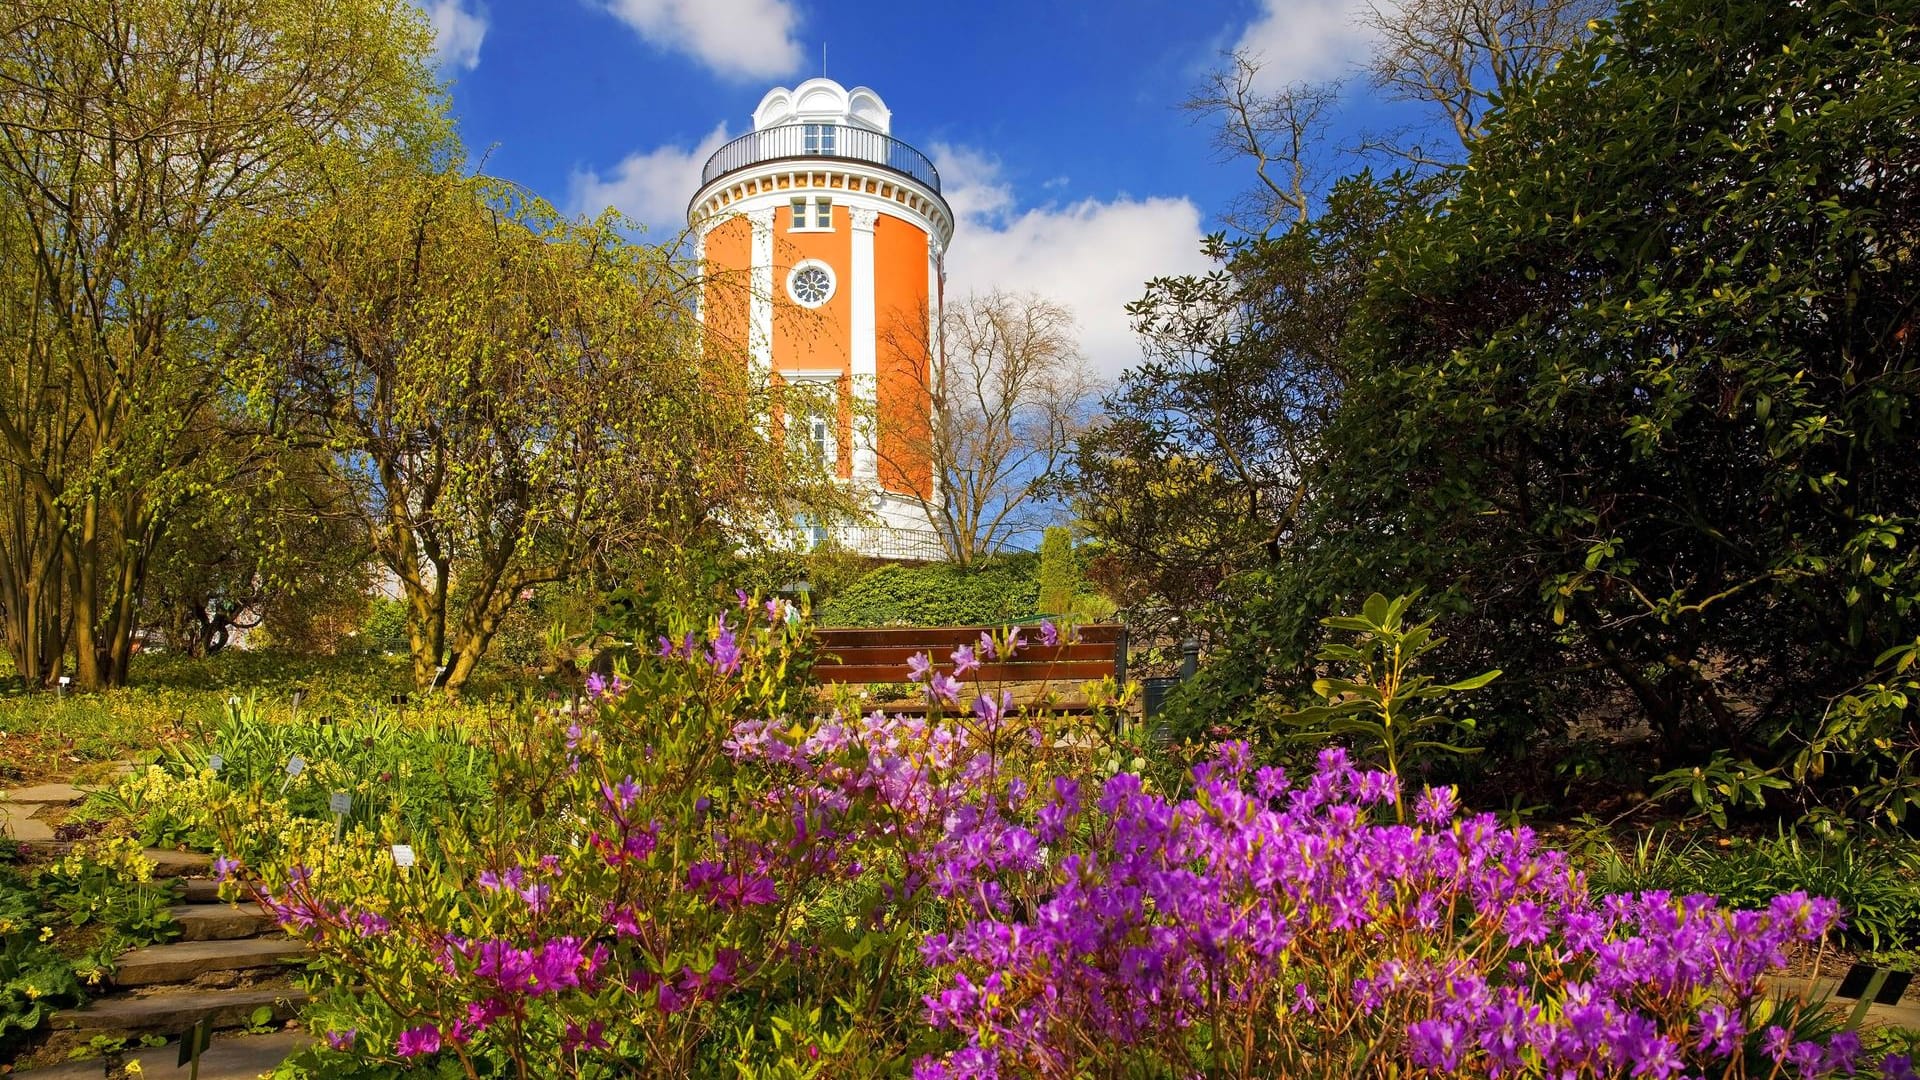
{"x": 1267, "y": 928}
{"x": 692, "y": 874}
{"x": 626, "y": 880}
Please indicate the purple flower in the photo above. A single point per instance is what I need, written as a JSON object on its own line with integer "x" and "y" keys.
{"x": 918, "y": 665}
{"x": 223, "y": 868}
{"x": 342, "y": 1040}
{"x": 1436, "y": 807}
{"x": 964, "y": 660}
{"x": 723, "y": 652}
{"x": 944, "y": 688}
{"x": 1776, "y": 1042}
{"x": 618, "y": 798}
{"x": 414, "y": 1042}
{"x": 1435, "y": 1044}
{"x": 727, "y": 889}
{"x": 1049, "y": 633}
{"x": 1720, "y": 1030}
{"x": 590, "y": 1037}
{"x": 992, "y": 710}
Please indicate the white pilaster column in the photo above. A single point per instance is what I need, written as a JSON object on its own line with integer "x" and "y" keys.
{"x": 700, "y": 230}
{"x": 760, "y": 303}
{"x": 864, "y": 356}
{"x": 936, "y": 336}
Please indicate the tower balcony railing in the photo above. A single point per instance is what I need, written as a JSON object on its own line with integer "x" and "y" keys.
{"x": 824, "y": 142}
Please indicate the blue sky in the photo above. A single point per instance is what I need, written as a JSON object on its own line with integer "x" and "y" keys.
{"x": 1054, "y": 125}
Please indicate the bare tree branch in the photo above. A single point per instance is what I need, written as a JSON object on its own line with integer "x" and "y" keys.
{"x": 1010, "y": 394}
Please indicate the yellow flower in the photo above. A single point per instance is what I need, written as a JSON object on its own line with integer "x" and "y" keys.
{"x": 134, "y": 1069}
{"x": 46, "y": 933}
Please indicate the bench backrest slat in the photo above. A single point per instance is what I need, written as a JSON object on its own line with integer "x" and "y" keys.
{"x": 880, "y": 656}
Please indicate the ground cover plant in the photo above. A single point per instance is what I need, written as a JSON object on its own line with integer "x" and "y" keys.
{"x": 692, "y": 872}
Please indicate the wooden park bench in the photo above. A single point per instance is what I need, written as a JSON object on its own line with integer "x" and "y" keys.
{"x": 880, "y": 656}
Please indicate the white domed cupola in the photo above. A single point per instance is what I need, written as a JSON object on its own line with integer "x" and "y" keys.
{"x": 823, "y": 101}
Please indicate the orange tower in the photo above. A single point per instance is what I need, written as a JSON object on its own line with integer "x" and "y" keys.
{"x": 834, "y": 235}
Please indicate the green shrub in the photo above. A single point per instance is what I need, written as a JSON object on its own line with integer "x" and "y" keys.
{"x": 34, "y": 978}
{"x": 385, "y": 630}
{"x": 1059, "y": 574}
{"x": 1004, "y": 590}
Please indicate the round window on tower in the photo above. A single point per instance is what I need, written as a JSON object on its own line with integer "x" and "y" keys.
{"x": 810, "y": 284}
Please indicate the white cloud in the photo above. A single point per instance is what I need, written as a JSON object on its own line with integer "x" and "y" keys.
{"x": 1305, "y": 40}
{"x": 741, "y": 39}
{"x": 1094, "y": 256}
{"x": 651, "y": 187}
{"x": 457, "y": 32}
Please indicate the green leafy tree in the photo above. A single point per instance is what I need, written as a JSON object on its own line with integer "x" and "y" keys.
{"x": 1204, "y": 463}
{"x": 512, "y": 396}
{"x": 139, "y": 141}
{"x": 1642, "y": 389}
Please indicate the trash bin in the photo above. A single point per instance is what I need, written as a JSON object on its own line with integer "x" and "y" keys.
{"x": 1154, "y": 691}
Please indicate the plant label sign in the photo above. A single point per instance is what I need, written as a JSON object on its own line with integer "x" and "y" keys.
{"x": 403, "y": 855}
{"x": 296, "y": 765}
{"x": 216, "y": 762}
{"x": 340, "y": 803}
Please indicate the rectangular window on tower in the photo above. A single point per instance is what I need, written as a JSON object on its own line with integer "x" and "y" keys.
{"x": 812, "y": 215}
{"x": 820, "y": 138}
{"x": 813, "y": 420}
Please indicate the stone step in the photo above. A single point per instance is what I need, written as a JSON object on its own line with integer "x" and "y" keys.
{"x": 166, "y": 864}
{"x": 184, "y": 961}
{"x": 231, "y": 1057}
{"x": 178, "y": 863}
{"x": 201, "y": 890}
{"x": 173, "y": 1011}
{"x": 220, "y": 922}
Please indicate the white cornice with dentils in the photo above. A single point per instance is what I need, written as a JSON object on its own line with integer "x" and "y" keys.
{"x": 709, "y": 207}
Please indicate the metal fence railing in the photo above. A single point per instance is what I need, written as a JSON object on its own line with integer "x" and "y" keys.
{"x": 827, "y": 141}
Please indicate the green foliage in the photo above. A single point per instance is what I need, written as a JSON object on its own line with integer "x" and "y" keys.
{"x": 129, "y": 324}
{"x": 1877, "y": 881}
{"x": 106, "y": 883}
{"x": 1642, "y": 427}
{"x": 1059, "y": 577}
{"x": 1720, "y": 785}
{"x": 997, "y": 592}
{"x": 1197, "y": 472}
{"x": 385, "y": 631}
{"x": 1381, "y": 704}
{"x": 414, "y": 766}
{"x": 34, "y": 978}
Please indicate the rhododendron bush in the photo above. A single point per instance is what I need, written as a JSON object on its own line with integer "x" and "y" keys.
{"x": 701, "y": 869}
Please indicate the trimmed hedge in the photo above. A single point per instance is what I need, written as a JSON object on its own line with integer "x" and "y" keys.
{"x": 939, "y": 594}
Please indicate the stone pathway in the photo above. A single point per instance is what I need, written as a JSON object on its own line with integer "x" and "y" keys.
{"x": 228, "y": 965}
{"x": 1904, "y": 1014}
{"x": 22, "y": 812}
